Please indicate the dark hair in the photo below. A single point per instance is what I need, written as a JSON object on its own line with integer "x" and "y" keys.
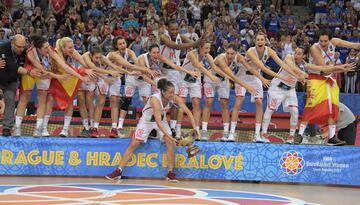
{"x": 163, "y": 84}
{"x": 326, "y": 32}
{"x": 232, "y": 46}
{"x": 38, "y": 41}
{"x": 305, "y": 49}
{"x": 115, "y": 40}
{"x": 171, "y": 21}
{"x": 153, "y": 46}
{"x": 94, "y": 49}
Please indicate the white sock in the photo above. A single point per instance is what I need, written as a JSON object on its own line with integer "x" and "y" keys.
{"x": 18, "y": 121}
{"x": 120, "y": 123}
{"x": 302, "y": 129}
{"x": 204, "y": 126}
{"x": 96, "y": 125}
{"x": 46, "y": 121}
{"x": 178, "y": 128}
{"x": 257, "y": 128}
{"x": 67, "y": 121}
{"x": 332, "y": 130}
{"x": 233, "y": 127}
{"x": 85, "y": 123}
{"x": 226, "y": 127}
{"x": 266, "y": 120}
{"x": 173, "y": 123}
{"x": 292, "y": 132}
{"x": 197, "y": 128}
{"x": 39, "y": 123}
{"x": 113, "y": 125}
{"x": 91, "y": 122}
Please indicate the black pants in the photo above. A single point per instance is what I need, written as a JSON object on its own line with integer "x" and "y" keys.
{"x": 348, "y": 134}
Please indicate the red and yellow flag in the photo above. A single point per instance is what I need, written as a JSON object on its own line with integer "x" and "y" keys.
{"x": 322, "y": 102}
{"x": 64, "y": 91}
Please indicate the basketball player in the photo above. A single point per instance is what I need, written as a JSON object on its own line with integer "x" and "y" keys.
{"x": 322, "y": 90}
{"x": 154, "y": 116}
{"x": 229, "y": 64}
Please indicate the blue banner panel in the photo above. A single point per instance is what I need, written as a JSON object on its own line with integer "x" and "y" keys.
{"x": 218, "y": 160}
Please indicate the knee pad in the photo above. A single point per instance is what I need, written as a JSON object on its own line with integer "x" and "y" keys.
{"x": 294, "y": 112}
{"x": 125, "y": 103}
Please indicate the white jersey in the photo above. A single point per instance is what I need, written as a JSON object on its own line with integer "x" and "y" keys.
{"x": 72, "y": 62}
{"x": 189, "y": 66}
{"x": 148, "y": 112}
{"x": 233, "y": 65}
{"x": 152, "y": 64}
{"x": 171, "y": 53}
{"x": 44, "y": 60}
{"x": 262, "y": 58}
{"x": 283, "y": 72}
{"x": 327, "y": 55}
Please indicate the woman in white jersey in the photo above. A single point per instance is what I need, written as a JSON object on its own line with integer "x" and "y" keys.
{"x": 230, "y": 64}
{"x": 257, "y": 57}
{"x": 87, "y": 90}
{"x": 323, "y": 110}
{"x": 197, "y": 59}
{"x": 284, "y": 93}
{"x": 64, "y": 91}
{"x": 155, "y": 61}
{"x": 154, "y": 116}
{"x": 38, "y": 57}
{"x": 106, "y": 83}
{"x": 171, "y": 45}
{"x": 125, "y": 57}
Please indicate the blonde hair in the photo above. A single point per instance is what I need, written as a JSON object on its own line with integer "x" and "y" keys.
{"x": 60, "y": 44}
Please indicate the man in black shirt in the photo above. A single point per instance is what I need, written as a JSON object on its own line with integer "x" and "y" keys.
{"x": 12, "y": 60}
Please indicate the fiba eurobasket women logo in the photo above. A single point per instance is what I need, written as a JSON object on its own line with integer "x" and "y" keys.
{"x": 292, "y": 162}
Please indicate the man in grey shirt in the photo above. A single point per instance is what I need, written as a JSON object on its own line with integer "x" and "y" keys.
{"x": 346, "y": 125}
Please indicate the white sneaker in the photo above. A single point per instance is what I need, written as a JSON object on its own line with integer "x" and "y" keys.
{"x": 17, "y": 131}
{"x": 37, "y": 132}
{"x": 64, "y": 133}
{"x": 231, "y": 137}
{"x": 204, "y": 136}
{"x": 45, "y": 133}
{"x": 258, "y": 138}
{"x": 225, "y": 137}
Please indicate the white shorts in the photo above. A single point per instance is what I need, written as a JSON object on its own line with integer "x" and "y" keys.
{"x": 112, "y": 89}
{"x": 277, "y": 95}
{"x": 143, "y": 130}
{"x": 252, "y": 81}
{"x": 131, "y": 83}
{"x": 87, "y": 86}
{"x": 43, "y": 84}
{"x": 174, "y": 76}
{"x": 222, "y": 89}
{"x": 194, "y": 89}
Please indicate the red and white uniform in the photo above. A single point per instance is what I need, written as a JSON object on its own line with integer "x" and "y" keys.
{"x": 172, "y": 75}
{"x": 328, "y": 56}
{"x": 135, "y": 82}
{"x": 189, "y": 84}
{"x": 283, "y": 92}
{"x": 251, "y": 79}
{"x": 147, "y": 121}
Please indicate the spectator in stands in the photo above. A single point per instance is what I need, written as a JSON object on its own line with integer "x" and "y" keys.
{"x": 320, "y": 12}
{"x": 272, "y": 26}
{"x": 350, "y": 77}
{"x": 271, "y": 12}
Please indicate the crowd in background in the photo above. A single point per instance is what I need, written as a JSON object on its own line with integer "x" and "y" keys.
{"x": 90, "y": 22}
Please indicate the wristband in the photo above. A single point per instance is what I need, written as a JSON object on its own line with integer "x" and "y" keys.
{"x": 28, "y": 72}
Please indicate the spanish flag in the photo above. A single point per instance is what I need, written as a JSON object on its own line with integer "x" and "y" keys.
{"x": 322, "y": 100}
{"x": 28, "y": 82}
{"x": 64, "y": 91}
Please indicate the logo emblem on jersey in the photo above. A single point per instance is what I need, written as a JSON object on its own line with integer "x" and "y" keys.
{"x": 331, "y": 48}
{"x": 139, "y": 133}
{"x": 209, "y": 91}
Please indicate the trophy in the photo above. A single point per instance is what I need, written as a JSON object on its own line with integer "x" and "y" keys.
{"x": 187, "y": 140}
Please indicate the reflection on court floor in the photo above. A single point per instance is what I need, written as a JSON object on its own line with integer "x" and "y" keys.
{"x": 109, "y": 194}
